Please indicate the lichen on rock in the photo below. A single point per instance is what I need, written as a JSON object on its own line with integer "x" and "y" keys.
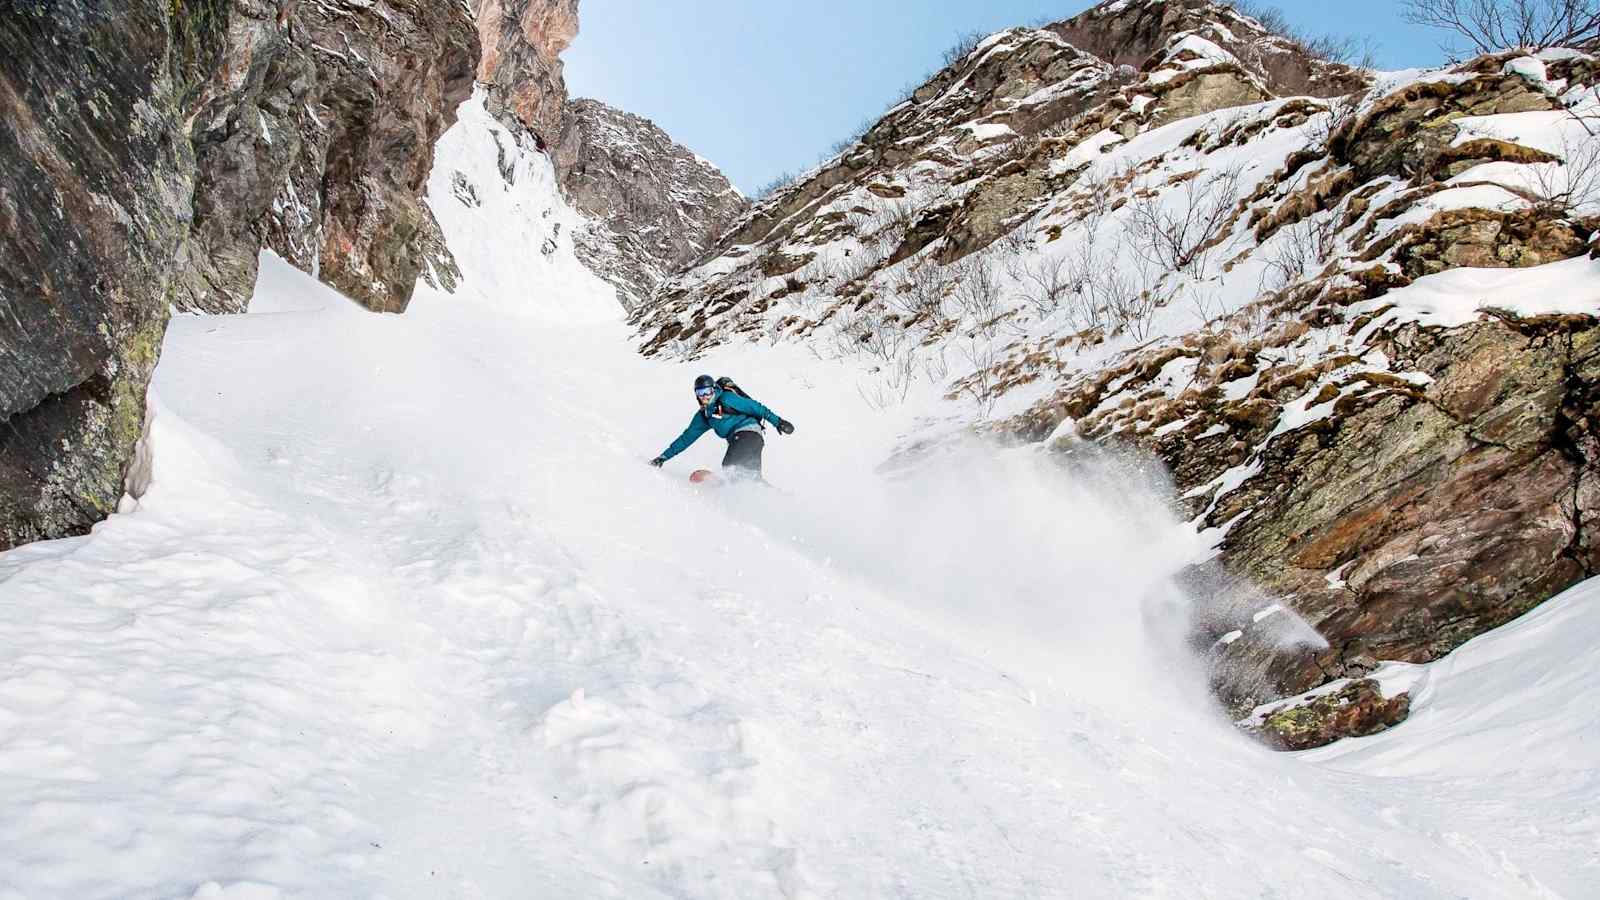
{"x": 1358, "y": 709}
{"x": 80, "y": 331}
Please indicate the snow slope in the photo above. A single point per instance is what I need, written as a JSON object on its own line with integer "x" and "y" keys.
{"x": 404, "y": 614}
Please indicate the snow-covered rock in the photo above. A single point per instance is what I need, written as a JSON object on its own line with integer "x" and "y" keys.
{"x": 654, "y": 205}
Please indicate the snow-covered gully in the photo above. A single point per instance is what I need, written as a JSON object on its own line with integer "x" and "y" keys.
{"x": 404, "y": 614}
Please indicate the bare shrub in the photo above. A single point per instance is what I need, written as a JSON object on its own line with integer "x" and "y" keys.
{"x": 978, "y": 292}
{"x": 1581, "y": 109}
{"x": 855, "y": 267}
{"x": 894, "y": 214}
{"x": 1300, "y": 250}
{"x": 1270, "y": 18}
{"x": 1128, "y": 297}
{"x": 887, "y": 225}
{"x": 1093, "y": 196}
{"x": 935, "y": 365}
{"x": 1321, "y": 129}
{"x": 1084, "y": 310}
{"x": 1562, "y": 189}
{"x": 775, "y": 185}
{"x": 1062, "y": 128}
{"x": 1018, "y": 147}
{"x": 850, "y": 140}
{"x": 882, "y": 241}
{"x": 1047, "y": 281}
{"x": 964, "y": 44}
{"x": 1015, "y": 242}
{"x": 893, "y": 382}
{"x": 1486, "y": 26}
{"x": 1178, "y": 236}
{"x": 1207, "y": 306}
{"x": 981, "y": 353}
{"x": 1104, "y": 292}
{"x": 869, "y": 332}
{"x": 1331, "y": 48}
{"x": 822, "y": 273}
{"x": 921, "y": 295}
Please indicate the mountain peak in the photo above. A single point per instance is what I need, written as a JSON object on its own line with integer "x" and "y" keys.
{"x": 1145, "y": 34}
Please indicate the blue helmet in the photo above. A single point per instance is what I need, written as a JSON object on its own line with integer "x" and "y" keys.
{"x": 705, "y": 387}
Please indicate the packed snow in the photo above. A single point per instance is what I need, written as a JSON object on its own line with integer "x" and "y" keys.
{"x": 404, "y": 613}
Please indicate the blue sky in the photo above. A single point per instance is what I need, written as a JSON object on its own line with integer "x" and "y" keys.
{"x": 761, "y": 87}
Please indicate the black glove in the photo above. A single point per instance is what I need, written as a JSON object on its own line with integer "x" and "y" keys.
{"x": 659, "y": 461}
{"x": 785, "y": 426}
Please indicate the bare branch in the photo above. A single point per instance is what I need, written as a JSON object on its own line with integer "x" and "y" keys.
{"x": 1488, "y": 26}
{"x": 1178, "y": 235}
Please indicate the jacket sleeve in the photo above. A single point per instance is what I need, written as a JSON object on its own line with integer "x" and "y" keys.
{"x": 748, "y": 407}
{"x": 697, "y": 427}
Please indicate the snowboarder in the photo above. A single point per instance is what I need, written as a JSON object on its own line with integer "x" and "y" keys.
{"x": 735, "y": 417}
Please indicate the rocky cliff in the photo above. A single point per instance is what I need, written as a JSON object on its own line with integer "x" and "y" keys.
{"x": 521, "y": 62}
{"x": 95, "y": 202}
{"x": 147, "y": 154}
{"x": 654, "y": 206}
{"x": 315, "y": 137}
{"x": 1161, "y": 226}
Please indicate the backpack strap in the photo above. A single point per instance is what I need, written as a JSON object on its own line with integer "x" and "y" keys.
{"x": 705, "y": 412}
{"x": 727, "y": 384}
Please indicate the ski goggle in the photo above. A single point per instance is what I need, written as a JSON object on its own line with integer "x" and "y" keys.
{"x": 705, "y": 393}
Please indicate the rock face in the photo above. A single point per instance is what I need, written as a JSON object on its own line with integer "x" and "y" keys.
{"x": 654, "y": 206}
{"x": 148, "y": 153}
{"x": 1002, "y": 94}
{"x": 1134, "y": 228}
{"x": 1437, "y": 496}
{"x": 1419, "y": 513}
{"x": 521, "y": 62}
{"x": 315, "y": 138}
{"x": 94, "y": 207}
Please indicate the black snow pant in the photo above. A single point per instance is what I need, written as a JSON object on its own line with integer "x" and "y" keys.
{"x": 744, "y": 453}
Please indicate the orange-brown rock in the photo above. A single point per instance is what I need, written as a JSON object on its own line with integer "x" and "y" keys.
{"x": 521, "y": 63}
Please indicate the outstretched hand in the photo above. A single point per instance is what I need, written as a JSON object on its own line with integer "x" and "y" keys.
{"x": 785, "y": 426}
{"x": 659, "y": 461}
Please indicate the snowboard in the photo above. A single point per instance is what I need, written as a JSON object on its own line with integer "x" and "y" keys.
{"x": 704, "y": 478}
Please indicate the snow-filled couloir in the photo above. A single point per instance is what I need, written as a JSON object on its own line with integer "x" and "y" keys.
{"x": 403, "y": 613}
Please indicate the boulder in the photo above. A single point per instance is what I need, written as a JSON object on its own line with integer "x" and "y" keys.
{"x": 1357, "y": 709}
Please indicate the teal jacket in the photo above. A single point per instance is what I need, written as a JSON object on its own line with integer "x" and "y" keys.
{"x": 725, "y": 414}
